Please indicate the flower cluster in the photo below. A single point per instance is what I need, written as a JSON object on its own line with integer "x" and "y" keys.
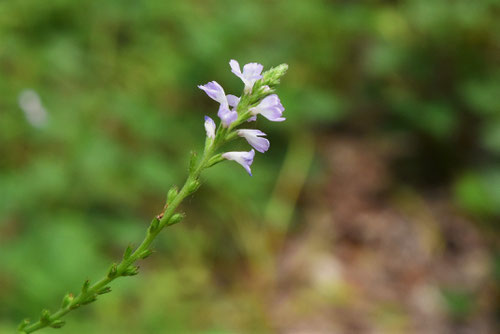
{"x": 257, "y": 99}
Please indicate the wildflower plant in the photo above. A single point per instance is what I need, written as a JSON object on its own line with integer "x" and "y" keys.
{"x": 258, "y": 98}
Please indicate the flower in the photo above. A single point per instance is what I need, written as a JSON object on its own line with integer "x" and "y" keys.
{"x": 216, "y": 92}
{"x": 252, "y": 137}
{"x": 210, "y": 127}
{"x": 251, "y": 73}
{"x": 270, "y": 107}
{"x": 243, "y": 158}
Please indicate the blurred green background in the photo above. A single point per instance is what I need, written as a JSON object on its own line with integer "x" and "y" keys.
{"x": 375, "y": 210}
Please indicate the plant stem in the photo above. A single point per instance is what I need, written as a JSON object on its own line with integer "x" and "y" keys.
{"x": 91, "y": 293}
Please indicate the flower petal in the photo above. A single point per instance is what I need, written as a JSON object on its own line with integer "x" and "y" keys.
{"x": 252, "y": 137}
{"x": 210, "y": 127}
{"x": 245, "y": 159}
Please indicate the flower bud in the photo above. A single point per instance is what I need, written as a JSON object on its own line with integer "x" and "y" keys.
{"x": 68, "y": 298}
{"x": 45, "y": 316}
{"x": 172, "y": 194}
{"x": 127, "y": 253}
{"x": 57, "y": 323}
{"x": 104, "y": 290}
{"x": 112, "y": 270}
{"x": 176, "y": 218}
{"x": 154, "y": 225}
{"x": 85, "y": 286}
{"x": 131, "y": 271}
{"x": 145, "y": 254}
{"x": 272, "y": 77}
{"x": 193, "y": 186}
{"x": 23, "y": 325}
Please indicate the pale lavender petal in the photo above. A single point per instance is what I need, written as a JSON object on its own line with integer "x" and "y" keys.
{"x": 271, "y": 108}
{"x": 235, "y": 68}
{"x": 210, "y": 127}
{"x": 252, "y": 119}
{"x": 227, "y": 116}
{"x": 245, "y": 159}
{"x": 232, "y": 100}
{"x": 252, "y": 136}
{"x": 214, "y": 91}
{"x": 252, "y": 71}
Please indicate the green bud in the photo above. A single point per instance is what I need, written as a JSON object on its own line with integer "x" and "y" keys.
{"x": 23, "y": 324}
{"x": 193, "y": 186}
{"x": 145, "y": 254}
{"x": 127, "y": 253}
{"x": 57, "y": 324}
{"x": 85, "y": 286}
{"x": 131, "y": 271}
{"x": 176, "y": 218}
{"x": 45, "y": 316}
{"x": 154, "y": 225}
{"x": 89, "y": 300}
{"x": 68, "y": 298}
{"x": 172, "y": 194}
{"x": 215, "y": 160}
{"x": 104, "y": 290}
{"x": 112, "y": 270}
{"x": 272, "y": 76}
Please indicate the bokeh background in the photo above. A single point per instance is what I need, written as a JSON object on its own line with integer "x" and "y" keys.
{"x": 376, "y": 209}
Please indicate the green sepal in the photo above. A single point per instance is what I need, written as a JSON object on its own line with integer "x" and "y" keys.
{"x": 154, "y": 225}
{"x": 57, "y": 323}
{"x": 112, "y": 270}
{"x": 104, "y": 290}
{"x": 68, "y": 298}
{"x": 89, "y": 300}
{"x": 127, "y": 253}
{"x": 145, "y": 254}
{"x": 172, "y": 194}
{"x": 131, "y": 271}
{"x": 45, "y": 316}
{"x": 23, "y": 324}
{"x": 85, "y": 286}
{"x": 215, "y": 160}
{"x": 177, "y": 218}
{"x": 193, "y": 186}
{"x": 192, "y": 162}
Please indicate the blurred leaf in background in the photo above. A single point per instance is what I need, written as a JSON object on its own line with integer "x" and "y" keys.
{"x": 117, "y": 82}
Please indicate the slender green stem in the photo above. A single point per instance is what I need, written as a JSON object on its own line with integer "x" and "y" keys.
{"x": 91, "y": 292}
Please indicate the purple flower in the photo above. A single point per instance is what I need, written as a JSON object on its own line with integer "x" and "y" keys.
{"x": 216, "y": 92}
{"x": 251, "y": 73}
{"x": 243, "y": 158}
{"x": 252, "y": 136}
{"x": 270, "y": 107}
{"x": 210, "y": 127}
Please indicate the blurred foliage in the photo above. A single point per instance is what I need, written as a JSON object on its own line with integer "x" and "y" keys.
{"x": 118, "y": 80}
